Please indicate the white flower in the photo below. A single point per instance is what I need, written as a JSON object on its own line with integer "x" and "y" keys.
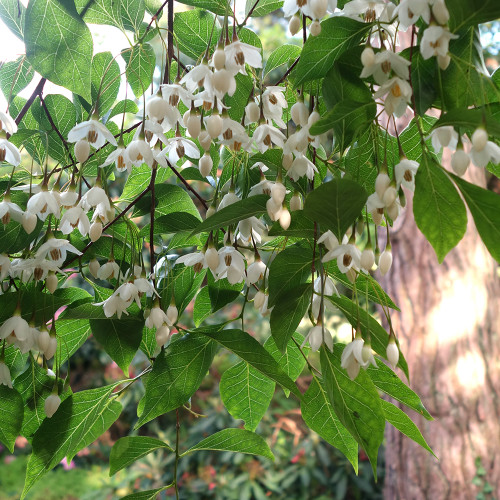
{"x": 368, "y": 10}
{"x": 255, "y": 272}
{"x": 443, "y": 137}
{"x": 392, "y": 352}
{"x": 329, "y": 287}
{"x": 481, "y": 157}
{"x": 173, "y": 92}
{"x": 9, "y": 153}
{"x": 228, "y": 199}
{"x": 57, "y": 249}
{"x": 7, "y": 123}
{"x": 115, "y": 305}
{"x": 231, "y": 265}
{"x": 178, "y": 147}
{"x": 290, "y": 7}
{"x": 405, "y": 172}
{"x": 260, "y": 301}
{"x": 28, "y": 268}
{"x": 16, "y": 326}
{"x": 51, "y": 405}
{"x": 375, "y": 206}
{"x": 398, "y": 95}
{"x": 5, "y": 378}
{"x": 139, "y": 152}
{"x": 266, "y": 135}
{"x": 157, "y": 318}
{"x": 318, "y": 335}
{"x": 435, "y": 42}
{"x": 120, "y": 158}
{"x": 302, "y": 166}
{"x": 409, "y": 11}
{"x": 262, "y": 187}
{"x": 385, "y": 61}
{"x": 4, "y": 266}
{"x": 385, "y": 261}
{"x": 352, "y": 357}
{"x": 199, "y": 260}
{"x": 199, "y": 76}
{"x": 109, "y": 270}
{"x": 9, "y": 210}
{"x": 239, "y": 53}
{"x": 460, "y": 161}
{"x": 75, "y": 217}
{"x": 43, "y": 204}
{"x": 93, "y": 197}
{"x": 274, "y": 102}
{"x": 348, "y": 257}
{"x": 94, "y": 131}
{"x": 250, "y": 228}
{"x": 329, "y": 240}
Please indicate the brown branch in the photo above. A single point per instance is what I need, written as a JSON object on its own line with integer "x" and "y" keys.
{"x": 37, "y": 92}
{"x": 288, "y": 71}
{"x": 188, "y": 186}
{"x": 170, "y": 41}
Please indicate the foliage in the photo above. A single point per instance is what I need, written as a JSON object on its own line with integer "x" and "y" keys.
{"x": 230, "y": 189}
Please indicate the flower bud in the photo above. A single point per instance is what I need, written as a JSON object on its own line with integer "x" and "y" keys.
{"x": 460, "y": 162}
{"x": 219, "y": 59}
{"x": 392, "y": 211}
{"x": 389, "y": 196}
{"x": 285, "y": 218}
{"x": 295, "y": 202}
{"x": 157, "y": 108}
{"x": 95, "y": 230}
{"x": 440, "y": 12}
{"x": 367, "y": 57}
{"x": 294, "y": 25}
{"x": 259, "y": 299}
{"x": 221, "y": 81}
{"x": 382, "y": 182}
{"x": 5, "y": 378}
{"x": 172, "y": 314}
{"x": 214, "y": 125}
{"x": 318, "y": 8}
{"x": 43, "y": 340}
{"x": 205, "y": 140}
{"x": 94, "y": 267}
{"x": 385, "y": 261}
{"x": 299, "y": 113}
{"x": 52, "y": 347}
{"x": 443, "y": 61}
{"x": 278, "y": 192}
{"x": 287, "y": 161}
{"x": 52, "y": 404}
{"x": 360, "y": 226}
{"x": 193, "y": 124}
{"x": 205, "y": 164}
{"x": 51, "y": 282}
{"x": 252, "y": 112}
{"x": 82, "y": 150}
{"x": 211, "y": 210}
{"x": 315, "y": 28}
{"x": 212, "y": 258}
{"x": 392, "y": 352}
{"x": 367, "y": 259}
{"x": 29, "y": 221}
{"x": 479, "y": 139}
{"x": 313, "y": 118}
{"x": 273, "y": 209}
{"x": 162, "y": 334}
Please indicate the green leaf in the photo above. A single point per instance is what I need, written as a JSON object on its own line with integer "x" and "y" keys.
{"x": 202, "y": 307}
{"x": 263, "y": 7}
{"x": 290, "y": 268}
{"x": 237, "y": 440}
{"x": 369, "y": 326}
{"x": 120, "y": 338}
{"x": 338, "y": 34}
{"x": 238, "y": 101}
{"x": 13, "y": 237}
{"x": 403, "y": 423}
{"x": 15, "y": 76}
{"x": 288, "y": 312}
{"x": 34, "y": 385}
{"x": 484, "y": 206}
{"x": 465, "y": 13}
{"x": 192, "y": 29}
{"x": 140, "y": 64}
{"x": 11, "y": 409}
{"x": 125, "y": 106}
{"x": 249, "y": 350}
{"x": 282, "y": 55}
{"x": 129, "y": 449}
{"x": 246, "y": 393}
{"x": 232, "y": 214}
{"x": 336, "y": 205}
{"x": 177, "y": 373}
{"x": 132, "y": 12}
{"x": 62, "y": 112}
{"x": 221, "y": 292}
{"x": 13, "y": 14}
{"x": 300, "y": 227}
{"x": 71, "y": 335}
{"x": 100, "y": 12}
{"x": 59, "y": 44}
{"x": 78, "y": 422}
{"x": 172, "y": 223}
{"x": 437, "y": 207}
{"x": 105, "y": 80}
{"x": 386, "y": 380}
{"x": 319, "y": 416}
{"x": 355, "y": 402}
{"x": 219, "y": 7}
{"x": 423, "y": 78}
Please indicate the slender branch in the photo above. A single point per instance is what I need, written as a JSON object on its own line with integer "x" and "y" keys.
{"x": 38, "y": 91}
{"x": 152, "y": 223}
{"x": 250, "y": 12}
{"x": 288, "y": 71}
{"x": 155, "y": 17}
{"x": 177, "y": 434}
{"x": 188, "y": 186}
{"x": 170, "y": 41}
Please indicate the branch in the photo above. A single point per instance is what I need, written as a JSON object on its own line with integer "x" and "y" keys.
{"x": 288, "y": 71}
{"x": 38, "y": 91}
{"x": 188, "y": 186}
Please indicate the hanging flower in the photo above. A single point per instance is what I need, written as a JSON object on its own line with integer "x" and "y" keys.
{"x": 348, "y": 257}
{"x": 405, "y": 172}
{"x": 57, "y": 249}
{"x": 318, "y": 335}
{"x": 302, "y": 166}
{"x": 199, "y": 76}
{"x": 398, "y": 94}
{"x": 266, "y": 135}
{"x": 232, "y": 265}
{"x": 43, "y": 204}
{"x": 409, "y": 12}
{"x": 94, "y": 131}
{"x": 120, "y": 158}
{"x": 383, "y": 63}
{"x": 238, "y": 54}
{"x": 7, "y": 123}
{"x": 178, "y": 147}
{"x": 9, "y": 210}
{"x": 9, "y": 152}
{"x": 435, "y": 42}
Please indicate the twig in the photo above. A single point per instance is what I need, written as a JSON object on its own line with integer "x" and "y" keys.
{"x": 38, "y": 91}
{"x": 188, "y": 186}
{"x": 288, "y": 71}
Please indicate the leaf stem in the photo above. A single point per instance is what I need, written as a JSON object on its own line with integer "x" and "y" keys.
{"x": 177, "y": 434}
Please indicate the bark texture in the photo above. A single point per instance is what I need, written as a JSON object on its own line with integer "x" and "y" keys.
{"x": 449, "y": 330}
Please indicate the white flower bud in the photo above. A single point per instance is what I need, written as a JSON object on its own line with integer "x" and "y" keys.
{"x": 315, "y": 28}
{"x": 52, "y": 404}
{"x": 440, "y": 12}
{"x": 193, "y": 124}
{"x": 367, "y": 259}
{"x": 205, "y": 140}
{"x": 51, "y": 349}
{"x": 211, "y": 210}
{"x": 287, "y": 161}
{"x": 278, "y": 192}
{"x": 219, "y": 59}
{"x": 94, "y": 267}
{"x": 95, "y": 230}
{"x": 212, "y": 258}
{"x": 460, "y": 162}
{"x": 162, "y": 334}
{"x": 221, "y": 80}
{"x": 390, "y": 196}
{"x": 294, "y": 25}
{"x": 51, "y": 282}
{"x": 185, "y": 116}
{"x": 205, "y": 165}
{"x": 295, "y": 202}
{"x": 82, "y": 150}
{"x": 43, "y": 340}
{"x": 443, "y": 61}
{"x": 392, "y": 352}
{"x": 318, "y": 8}
{"x": 214, "y": 125}
{"x": 29, "y": 221}
{"x": 313, "y": 118}
{"x": 382, "y": 182}
{"x": 285, "y": 218}
{"x": 172, "y": 314}
{"x": 252, "y": 112}
{"x": 299, "y": 113}
{"x": 157, "y": 108}
{"x": 385, "y": 262}
{"x": 367, "y": 57}
{"x": 392, "y": 211}
{"x": 273, "y": 209}
{"x": 479, "y": 139}
{"x": 5, "y": 378}
{"x": 259, "y": 299}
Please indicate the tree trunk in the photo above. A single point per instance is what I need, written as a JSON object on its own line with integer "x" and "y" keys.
{"x": 449, "y": 329}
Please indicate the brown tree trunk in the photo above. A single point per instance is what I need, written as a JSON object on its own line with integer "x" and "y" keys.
{"x": 449, "y": 330}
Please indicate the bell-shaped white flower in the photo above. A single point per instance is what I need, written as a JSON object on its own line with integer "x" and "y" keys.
{"x": 52, "y": 404}
{"x": 5, "y": 378}
{"x": 384, "y": 62}
{"x": 109, "y": 270}
{"x": 260, "y": 301}
{"x": 274, "y": 102}
{"x": 318, "y": 335}
{"x": 16, "y": 326}
{"x": 443, "y": 137}
{"x": 266, "y": 135}
{"x": 481, "y": 157}
{"x": 178, "y": 147}
{"x": 405, "y": 172}
{"x": 460, "y": 161}
{"x": 232, "y": 265}
{"x": 398, "y": 94}
{"x": 367, "y": 10}
{"x": 9, "y": 210}
{"x": 302, "y": 166}
{"x": 139, "y": 152}
{"x": 95, "y": 196}
{"x": 392, "y": 352}
{"x": 409, "y": 12}
{"x": 4, "y": 266}
{"x": 57, "y": 249}
{"x": 43, "y": 204}
{"x": 250, "y": 228}
{"x": 435, "y": 42}
{"x": 120, "y": 158}
{"x": 94, "y": 131}
{"x": 199, "y": 76}
{"x": 352, "y": 357}
{"x": 238, "y": 54}
{"x": 330, "y": 240}
{"x": 7, "y": 123}
{"x": 228, "y": 199}
{"x": 157, "y": 317}
{"x": 291, "y": 7}
{"x": 255, "y": 271}
{"x": 9, "y": 152}
{"x": 348, "y": 257}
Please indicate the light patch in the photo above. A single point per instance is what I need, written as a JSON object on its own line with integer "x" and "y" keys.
{"x": 470, "y": 371}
